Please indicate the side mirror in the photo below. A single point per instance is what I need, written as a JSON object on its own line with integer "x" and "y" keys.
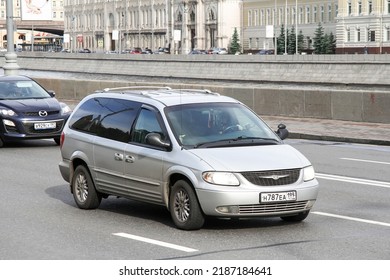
{"x": 52, "y": 93}
{"x": 154, "y": 139}
{"x": 282, "y": 131}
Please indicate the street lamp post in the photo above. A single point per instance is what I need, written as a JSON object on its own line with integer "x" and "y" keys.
{"x": 11, "y": 67}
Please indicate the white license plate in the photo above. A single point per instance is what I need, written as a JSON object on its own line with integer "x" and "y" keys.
{"x": 278, "y": 196}
{"x": 39, "y": 126}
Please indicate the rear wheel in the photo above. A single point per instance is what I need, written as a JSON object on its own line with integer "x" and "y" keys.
{"x": 83, "y": 188}
{"x": 184, "y": 207}
{"x": 296, "y": 218}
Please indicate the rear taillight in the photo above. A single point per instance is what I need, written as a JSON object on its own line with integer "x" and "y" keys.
{"x": 62, "y": 139}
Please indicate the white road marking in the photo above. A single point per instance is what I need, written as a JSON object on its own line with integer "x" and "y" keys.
{"x": 353, "y": 180}
{"x": 352, "y": 219}
{"x": 365, "y": 160}
{"x": 155, "y": 242}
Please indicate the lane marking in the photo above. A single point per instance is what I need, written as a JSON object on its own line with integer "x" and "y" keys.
{"x": 155, "y": 242}
{"x": 352, "y": 219}
{"x": 353, "y": 180}
{"x": 365, "y": 160}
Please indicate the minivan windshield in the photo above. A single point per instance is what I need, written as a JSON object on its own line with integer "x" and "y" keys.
{"x": 206, "y": 125}
{"x": 21, "y": 90}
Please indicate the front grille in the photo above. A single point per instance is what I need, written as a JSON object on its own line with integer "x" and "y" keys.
{"x": 272, "y": 208}
{"x": 273, "y": 177}
{"x": 36, "y": 113}
{"x": 29, "y": 128}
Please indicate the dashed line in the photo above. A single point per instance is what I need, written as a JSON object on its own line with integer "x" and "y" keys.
{"x": 155, "y": 242}
{"x": 353, "y": 180}
{"x": 352, "y": 219}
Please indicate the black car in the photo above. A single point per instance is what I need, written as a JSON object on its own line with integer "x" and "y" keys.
{"x": 28, "y": 111}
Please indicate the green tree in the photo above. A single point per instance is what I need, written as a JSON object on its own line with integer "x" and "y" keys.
{"x": 291, "y": 41}
{"x": 300, "y": 41}
{"x": 235, "y": 42}
{"x": 281, "y": 40}
{"x": 319, "y": 42}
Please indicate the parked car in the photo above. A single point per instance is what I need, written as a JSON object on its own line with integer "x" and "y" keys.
{"x": 162, "y": 51}
{"x": 195, "y": 152}
{"x": 28, "y": 111}
{"x": 197, "y": 52}
{"x": 219, "y": 51}
{"x": 265, "y": 52}
{"x": 85, "y": 51}
{"x": 136, "y": 51}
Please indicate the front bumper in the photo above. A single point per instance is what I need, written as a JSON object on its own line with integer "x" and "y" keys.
{"x": 238, "y": 203}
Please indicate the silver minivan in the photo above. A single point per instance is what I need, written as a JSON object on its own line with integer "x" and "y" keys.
{"x": 196, "y": 152}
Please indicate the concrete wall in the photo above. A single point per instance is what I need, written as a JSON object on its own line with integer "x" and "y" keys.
{"x": 326, "y": 87}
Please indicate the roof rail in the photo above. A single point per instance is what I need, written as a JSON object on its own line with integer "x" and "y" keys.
{"x": 207, "y": 91}
{"x": 133, "y": 87}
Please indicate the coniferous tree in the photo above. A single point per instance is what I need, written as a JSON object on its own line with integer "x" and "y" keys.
{"x": 291, "y": 41}
{"x": 281, "y": 41}
{"x": 235, "y": 43}
{"x": 300, "y": 41}
{"x": 319, "y": 47}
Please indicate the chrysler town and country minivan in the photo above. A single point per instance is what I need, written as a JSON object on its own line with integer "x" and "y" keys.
{"x": 196, "y": 152}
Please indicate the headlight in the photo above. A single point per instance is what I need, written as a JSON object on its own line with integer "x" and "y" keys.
{"x": 221, "y": 178}
{"x": 65, "y": 109}
{"x": 7, "y": 112}
{"x": 308, "y": 173}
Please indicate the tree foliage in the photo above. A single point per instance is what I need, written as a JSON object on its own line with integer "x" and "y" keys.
{"x": 235, "y": 42}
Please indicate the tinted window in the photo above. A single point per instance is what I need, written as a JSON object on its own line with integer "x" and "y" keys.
{"x": 106, "y": 117}
{"x": 147, "y": 122}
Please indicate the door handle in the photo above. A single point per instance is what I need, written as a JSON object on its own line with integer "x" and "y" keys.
{"x": 118, "y": 156}
{"x": 130, "y": 159}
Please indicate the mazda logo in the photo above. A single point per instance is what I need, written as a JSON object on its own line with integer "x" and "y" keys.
{"x": 42, "y": 113}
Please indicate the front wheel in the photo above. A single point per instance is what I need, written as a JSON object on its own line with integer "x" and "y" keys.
{"x": 83, "y": 188}
{"x": 184, "y": 207}
{"x": 296, "y": 218}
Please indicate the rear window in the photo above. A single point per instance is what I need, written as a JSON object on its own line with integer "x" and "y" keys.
{"x": 110, "y": 118}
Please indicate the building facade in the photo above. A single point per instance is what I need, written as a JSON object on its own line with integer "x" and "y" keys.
{"x": 363, "y": 26}
{"x": 34, "y": 26}
{"x": 181, "y": 25}
{"x": 263, "y": 20}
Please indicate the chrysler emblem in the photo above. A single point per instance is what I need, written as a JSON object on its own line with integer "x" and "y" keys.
{"x": 42, "y": 113}
{"x": 274, "y": 177}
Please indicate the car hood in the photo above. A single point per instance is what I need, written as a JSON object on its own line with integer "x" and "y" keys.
{"x": 22, "y": 105}
{"x": 253, "y": 158}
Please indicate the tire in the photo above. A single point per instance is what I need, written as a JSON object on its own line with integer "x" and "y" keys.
{"x": 1, "y": 143}
{"x": 296, "y": 218}
{"x": 184, "y": 207}
{"x": 83, "y": 188}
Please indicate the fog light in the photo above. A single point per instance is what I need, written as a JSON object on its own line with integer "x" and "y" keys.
{"x": 310, "y": 204}
{"x": 9, "y": 123}
{"x": 228, "y": 209}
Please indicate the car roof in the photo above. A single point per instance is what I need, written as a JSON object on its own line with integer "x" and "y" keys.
{"x": 164, "y": 95}
{"x": 6, "y": 78}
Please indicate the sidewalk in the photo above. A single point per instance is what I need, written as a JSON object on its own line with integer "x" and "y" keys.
{"x": 324, "y": 129}
{"x": 333, "y": 130}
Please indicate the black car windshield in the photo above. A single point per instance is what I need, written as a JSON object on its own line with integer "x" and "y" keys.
{"x": 21, "y": 90}
{"x": 218, "y": 124}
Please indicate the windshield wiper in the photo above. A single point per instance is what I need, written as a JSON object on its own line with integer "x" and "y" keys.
{"x": 239, "y": 141}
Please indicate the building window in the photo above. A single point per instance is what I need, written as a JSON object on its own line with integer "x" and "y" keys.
{"x": 322, "y": 16}
{"x": 307, "y": 15}
{"x": 348, "y": 36}
{"x": 357, "y": 35}
{"x": 300, "y": 15}
{"x": 314, "y": 14}
{"x": 249, "y": 18}
{"x": 388, "y": 6}
{"x": 262, "y": 17}
{"x": 256, "y": 23}
{"x": 349, "y": 8}
{"x": 369, "y": 7}
{"x": 359, "y": 7}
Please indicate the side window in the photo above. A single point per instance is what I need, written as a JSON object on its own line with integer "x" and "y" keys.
{"x": 106, "y": 117}
{"x": 147, "y": 122}
{"x": 87, "y": 116}
{"x": 117, "y": 117}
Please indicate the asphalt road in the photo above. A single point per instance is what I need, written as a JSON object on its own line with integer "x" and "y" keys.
{"x": 40, "y": 221}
